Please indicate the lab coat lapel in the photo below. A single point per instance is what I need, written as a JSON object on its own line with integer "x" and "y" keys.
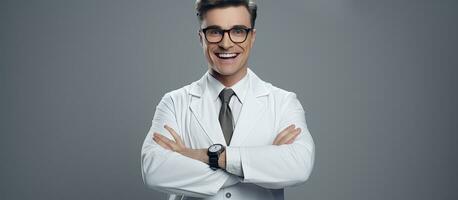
{"x": 205, "y": 113}
{"x": 253, "y": 108}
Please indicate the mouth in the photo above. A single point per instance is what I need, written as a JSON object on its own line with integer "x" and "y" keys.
{"x": 226, "y": 56}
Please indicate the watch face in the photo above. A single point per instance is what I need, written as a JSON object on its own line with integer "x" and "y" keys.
{"x": 214, "y": 148}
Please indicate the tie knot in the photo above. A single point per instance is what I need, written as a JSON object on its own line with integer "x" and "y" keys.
{"x": 226, "y": 94}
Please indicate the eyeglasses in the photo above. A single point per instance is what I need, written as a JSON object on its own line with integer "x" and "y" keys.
{"x": 236, "y": 34}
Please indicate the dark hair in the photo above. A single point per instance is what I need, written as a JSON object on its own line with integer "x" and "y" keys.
{"x": 202, "y": 6}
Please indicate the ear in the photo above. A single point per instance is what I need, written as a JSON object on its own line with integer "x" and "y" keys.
{"x": 253, "y": 37}
{"x": 200, "y": 38}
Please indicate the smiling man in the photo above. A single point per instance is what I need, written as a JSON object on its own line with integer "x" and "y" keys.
{"x": 229, "y": 135}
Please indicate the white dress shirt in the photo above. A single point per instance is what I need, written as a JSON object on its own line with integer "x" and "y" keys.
{"x": 240, "y": 88}
{"x": 215, "y": 87}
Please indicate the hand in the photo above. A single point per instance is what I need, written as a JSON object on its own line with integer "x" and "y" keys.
{"x": 166, "y": 143}
{"x": 287, "y": 135}
{"x": 178, "y": 145}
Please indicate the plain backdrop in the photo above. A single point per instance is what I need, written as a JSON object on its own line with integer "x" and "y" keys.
{"x": 80, "y": 80}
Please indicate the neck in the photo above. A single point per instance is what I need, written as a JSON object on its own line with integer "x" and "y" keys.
{"x": 229, "y": 80}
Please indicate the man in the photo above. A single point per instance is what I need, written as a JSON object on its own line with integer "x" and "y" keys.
{"x": 229, "y": 135}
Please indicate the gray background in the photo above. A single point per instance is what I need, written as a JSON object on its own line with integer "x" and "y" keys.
{"x": 80, "y": 80}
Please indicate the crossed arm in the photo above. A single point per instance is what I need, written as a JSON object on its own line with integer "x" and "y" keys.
{"x": 286, "y": 136}
{"x": 169, "y": 166}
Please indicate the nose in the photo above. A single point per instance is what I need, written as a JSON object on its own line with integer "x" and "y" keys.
{"x": 226, "y": 42}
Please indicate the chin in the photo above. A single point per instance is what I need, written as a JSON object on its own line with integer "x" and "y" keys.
{"x": 226, "y": 70}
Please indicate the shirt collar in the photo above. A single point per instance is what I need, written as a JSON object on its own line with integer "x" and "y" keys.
{"x": 240, "y": 88}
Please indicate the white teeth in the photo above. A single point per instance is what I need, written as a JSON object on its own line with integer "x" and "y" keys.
{"x": 226, "y": 55}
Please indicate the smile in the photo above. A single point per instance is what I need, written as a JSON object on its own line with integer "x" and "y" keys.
{"x": 226, "y": 55}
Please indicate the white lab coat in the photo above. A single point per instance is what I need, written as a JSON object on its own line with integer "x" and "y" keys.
{"x": 267, "y": 168}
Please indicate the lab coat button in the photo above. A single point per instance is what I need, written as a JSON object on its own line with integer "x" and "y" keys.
{"x": 228, "y": 195}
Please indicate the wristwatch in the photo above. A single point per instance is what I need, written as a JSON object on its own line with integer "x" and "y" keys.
{"x": 213, "y": 153}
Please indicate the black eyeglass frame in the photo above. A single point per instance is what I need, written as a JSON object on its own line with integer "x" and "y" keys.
{"x": 223, "y": 31}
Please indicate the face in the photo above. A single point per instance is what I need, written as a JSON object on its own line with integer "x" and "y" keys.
{"x": 227, "y": 58}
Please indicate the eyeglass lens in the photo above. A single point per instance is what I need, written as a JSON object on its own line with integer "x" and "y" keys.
{"x": 235, "y": 34}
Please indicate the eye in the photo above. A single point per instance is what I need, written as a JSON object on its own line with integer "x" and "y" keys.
{"x": 213, "y": 31}
{"x": 238, "y": 31}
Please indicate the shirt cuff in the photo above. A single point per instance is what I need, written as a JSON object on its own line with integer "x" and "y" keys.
{"x": 233, "y": 161}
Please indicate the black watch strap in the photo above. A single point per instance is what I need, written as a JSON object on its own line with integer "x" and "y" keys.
{"x": 213, "y": 161}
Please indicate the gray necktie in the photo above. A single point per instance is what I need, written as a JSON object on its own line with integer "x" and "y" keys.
{"x": 225, "y": 114}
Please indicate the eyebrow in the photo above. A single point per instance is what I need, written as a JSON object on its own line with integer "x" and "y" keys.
{"x": 219, "y": 27}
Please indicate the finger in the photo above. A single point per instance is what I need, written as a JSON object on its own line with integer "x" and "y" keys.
{"x": 174, "y": 135}
{"x": 157, "y": 139}
{"x": 161, "y": 143}
{"x": 288, "y": 137}
{"x": 292, "y": 139}
{"x": 173, "y": 146}
{"x": 165, "y": 139}
{"x": 284, "y": 132}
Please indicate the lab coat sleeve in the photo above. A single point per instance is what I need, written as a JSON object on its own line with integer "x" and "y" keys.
{"x": 273, "y": 166}
{"x": 171, "y": 172}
